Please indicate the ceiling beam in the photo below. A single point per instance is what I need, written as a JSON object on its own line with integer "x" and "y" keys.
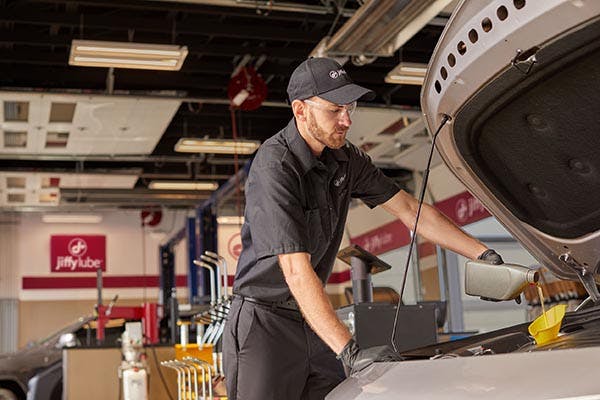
{"x": 191, "y": 25}
{"x": 219, "y": 7}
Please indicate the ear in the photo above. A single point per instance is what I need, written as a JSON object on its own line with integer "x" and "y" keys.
{"x": 299, "y": 109}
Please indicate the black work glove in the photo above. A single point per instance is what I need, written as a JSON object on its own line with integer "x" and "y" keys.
{"x": 492, "y": 257}
{"x": 355, "y": 359}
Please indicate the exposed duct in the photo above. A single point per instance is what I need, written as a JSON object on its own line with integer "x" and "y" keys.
{"x": 136, "y": 198}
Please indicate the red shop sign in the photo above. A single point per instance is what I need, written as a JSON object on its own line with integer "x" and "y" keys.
{"x": 463, "y": 209}
{"x": 80, "y": 253}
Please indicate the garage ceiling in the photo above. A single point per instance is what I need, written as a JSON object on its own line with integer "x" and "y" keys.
{"x": 134, "y": 123}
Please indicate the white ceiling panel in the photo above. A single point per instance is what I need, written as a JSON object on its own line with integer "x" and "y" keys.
{"x": 97, "y": 181}
{"x": 19, "y": 189}
{"x": 391, "y": 137}
{"x": 23, "y": 189}
{"x": 101, "y": 125}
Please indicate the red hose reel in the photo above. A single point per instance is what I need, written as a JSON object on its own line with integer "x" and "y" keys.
{"x": 247, "y": 89}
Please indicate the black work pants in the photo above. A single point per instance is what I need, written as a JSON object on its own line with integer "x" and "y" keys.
{"x": 272, "y": 354}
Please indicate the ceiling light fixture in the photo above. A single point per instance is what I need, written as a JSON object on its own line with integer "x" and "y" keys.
{"x": 71, "y": 218}
{"x": 216, "y": 146}
{"x": 407, "y": 74}
{"x": 379, "y": 28}
{"x": 91, "y": 53}
{"x": 230, "y": 220}
{"x": 182, "y": 185}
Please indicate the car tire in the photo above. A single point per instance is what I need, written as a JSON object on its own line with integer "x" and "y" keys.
{"x": 7, "y": 394}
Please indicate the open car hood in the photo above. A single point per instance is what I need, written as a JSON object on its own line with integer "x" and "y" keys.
{"x": 520, "y": 80}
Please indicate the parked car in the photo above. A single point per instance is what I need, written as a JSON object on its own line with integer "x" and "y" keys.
{"x": 515, "y": 84}
{"x": 38, "y": 367}
{"x": 35, "y": 372}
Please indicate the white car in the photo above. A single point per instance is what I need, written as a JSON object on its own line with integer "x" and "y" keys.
{"x": 517, "y": 84}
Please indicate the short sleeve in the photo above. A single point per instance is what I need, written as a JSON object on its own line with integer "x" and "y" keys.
{"x": 369, "y": 183}
{"x": 274, "y": 210}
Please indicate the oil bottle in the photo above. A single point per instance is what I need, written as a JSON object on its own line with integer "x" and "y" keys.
{"x": 497, "y": 282}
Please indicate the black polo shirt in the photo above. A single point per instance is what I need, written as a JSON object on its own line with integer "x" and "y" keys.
{"x": 296, "y": 202}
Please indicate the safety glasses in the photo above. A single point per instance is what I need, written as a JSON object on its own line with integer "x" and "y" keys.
{"x": 334, "y": 110}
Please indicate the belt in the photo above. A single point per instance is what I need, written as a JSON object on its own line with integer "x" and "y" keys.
{"x": 290, "y": 305}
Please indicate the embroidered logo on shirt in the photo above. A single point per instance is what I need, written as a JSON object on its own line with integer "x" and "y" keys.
{"x": 337, "y": 182}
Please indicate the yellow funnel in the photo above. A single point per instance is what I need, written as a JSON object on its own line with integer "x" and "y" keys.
{"x": 545, "y": 327}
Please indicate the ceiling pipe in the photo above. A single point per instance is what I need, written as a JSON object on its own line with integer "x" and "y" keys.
{"x": 11, "y": 212}
{"x": 268, "y": 6}
{"x": 136, "y": 192}
{"x": 137, "y": 171}
{"x": 170, "y": 175}
{"x": 103, "y": 158}
{"x": 182, "y": 97}
{"x": 136, "y": 196}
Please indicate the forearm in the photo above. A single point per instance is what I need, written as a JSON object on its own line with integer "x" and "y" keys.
{"x": 437, "y": 228}
{"x": 434, "y": 226}
{"x": 310, "y": 295}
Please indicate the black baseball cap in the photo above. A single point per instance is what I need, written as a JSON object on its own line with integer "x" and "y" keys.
{"x": 327, "y": 79}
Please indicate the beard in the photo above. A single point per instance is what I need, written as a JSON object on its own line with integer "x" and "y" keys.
{"x": 334, "y": 139}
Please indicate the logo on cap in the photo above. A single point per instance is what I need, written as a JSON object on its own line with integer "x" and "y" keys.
{"x": 336, "y": 74}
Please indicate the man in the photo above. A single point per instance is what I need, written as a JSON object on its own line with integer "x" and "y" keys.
{"x": 282, "y": 335}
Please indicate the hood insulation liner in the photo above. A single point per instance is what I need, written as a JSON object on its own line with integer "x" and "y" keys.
{"x": 533, "y": 137}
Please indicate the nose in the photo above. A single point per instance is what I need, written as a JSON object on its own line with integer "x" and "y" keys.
{"x": 345, "y": 119}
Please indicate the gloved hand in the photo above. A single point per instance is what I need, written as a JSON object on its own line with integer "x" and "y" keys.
{"x": 355, "y": 359}
{"x": 492, "y": 257}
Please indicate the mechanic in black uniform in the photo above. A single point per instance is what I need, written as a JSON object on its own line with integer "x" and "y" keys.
{"x": 282, "y": 335}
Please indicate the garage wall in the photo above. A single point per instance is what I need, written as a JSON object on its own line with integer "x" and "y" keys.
{"x": 131, "y": 250}
{"x": 9, "y": 320}
{"x": 9, "y": 289}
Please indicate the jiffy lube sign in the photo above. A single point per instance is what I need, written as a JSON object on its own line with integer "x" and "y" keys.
{"x": 78, "y": 253}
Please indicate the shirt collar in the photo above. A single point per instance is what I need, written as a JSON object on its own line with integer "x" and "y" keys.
{"x": 340, "y": 154}
{"x": 300, "y": 149}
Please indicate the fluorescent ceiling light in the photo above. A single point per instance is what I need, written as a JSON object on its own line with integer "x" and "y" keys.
{"x": 380, "y": 27}
{"x": 71, "y": 218}
{"x": 230, "y": 220}
{"x": 407, "y": 74}
{"x": 404, "y": 80}
{"x": 216, "y": 146}
{"x": 90, "y": 53}
{"x": 182, "y": 185}
{"x": 415, "y": 69}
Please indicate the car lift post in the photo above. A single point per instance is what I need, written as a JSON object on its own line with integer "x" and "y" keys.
{"x": 206, "y": 215}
